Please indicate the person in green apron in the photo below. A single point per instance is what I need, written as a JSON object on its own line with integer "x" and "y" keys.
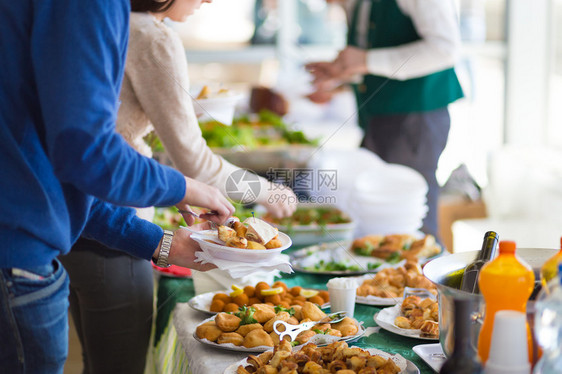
{"x": 399, "y": 61}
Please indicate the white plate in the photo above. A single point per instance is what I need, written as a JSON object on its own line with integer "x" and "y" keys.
{"x": 432, "y": 354}
{"x": 237, "y": 254}
{"x": 409, "y": 367}
{"x": 232, "y": 347}
{"x": 385, "y": 319}
{"x": 338, "y": 252}
{"x": 202, "y": 302}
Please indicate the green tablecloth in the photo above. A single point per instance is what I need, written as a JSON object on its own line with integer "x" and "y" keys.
{"x": 171, "y": 291}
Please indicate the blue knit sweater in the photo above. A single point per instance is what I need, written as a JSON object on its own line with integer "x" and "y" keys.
{"x": 61, "y": 65}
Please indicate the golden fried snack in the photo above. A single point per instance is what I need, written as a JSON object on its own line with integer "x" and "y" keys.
{"x": 240, "y": 229}
{"x": 298, "y": 311}
{"x": 376, "y": 362}
{"x": 273, "y": 243}
{"x": 231, "y": 307}
{"x": 241, "y": 299}
{"x": 324, "y": 295}
{"x": 346, "y": 371}
{"x": 430, "y": 329}
{"x": 312, "y": 311}
{"x": 316, "y": 300}
{"x": 335, "y": 332}
{"x": 225, "y": 233}
{"x": 223, "y": 297}
{"x": 282, "y": 285}
{"x": 296, "y": 291}
{"x": 282, "y": 316}
{"x": 237, "y": 242}
{"x": 389, "y": 367}
{"x": 227, "y": 322}
{"x": 250, "y": 291}
{"x": 305, "y": 336}
{"x": 208, "y": 331}
{"x": 263, "y": 312}
{"x": 256, "y": 338}
{"x": 402, "y": 322}
{"x": 273, "y": 299}
{"x": 347, "y": 327}
{"x": 230, "y": 337}
{"x": 259, "y": 287}
{"x": 245, "y": 329}
{"x": 255, "y": 245}
{"x": 217, "y": 306}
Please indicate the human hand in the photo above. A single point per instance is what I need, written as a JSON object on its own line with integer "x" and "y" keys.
{"x": 205, "y": 196}
{"x": 279, "y": 201}
{"x": 324, "y": 75}
{"x": 349, "y": 63}
{"x": 183, "y": 249}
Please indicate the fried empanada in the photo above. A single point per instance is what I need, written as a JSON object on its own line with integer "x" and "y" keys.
{"x": 282, "y": 316}
{"x": 245, "y": 329}
{"x": 256, "y": 338}
{"x": 312, "y": 311}
{"x": 263, "y": 312}
{"x": 227, "y": 322}
{"x": 208, "y": 331}
{"x": 230, "y": 337}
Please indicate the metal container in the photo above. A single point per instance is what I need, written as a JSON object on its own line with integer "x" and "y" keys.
{"x": 446, "y": 273}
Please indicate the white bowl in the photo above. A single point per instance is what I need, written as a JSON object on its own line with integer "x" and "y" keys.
{"x": 237, "y": 254}
{"x": 220, "y": 108}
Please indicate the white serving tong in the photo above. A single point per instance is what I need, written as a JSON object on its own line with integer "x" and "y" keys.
{"x": 294, "y": 330}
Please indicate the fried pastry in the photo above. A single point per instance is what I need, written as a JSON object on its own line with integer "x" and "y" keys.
{"x": 237, "y": 242}
{"x": 225, "y": 233}
{"x": 227, "y": 322}
{"x": 257, "y": 338}
{"x": 263, "y": 312}
{"x": 230, "y": 337}
{"x": 255, "y": 245}
{"x": 245, "y": 329}
{"x": 282, "y": 316}
{"x": 312, "y": 311}
{"x": 208, "y": 331}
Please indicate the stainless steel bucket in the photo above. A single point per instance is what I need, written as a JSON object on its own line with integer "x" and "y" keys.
{"x": 446, "y": 273}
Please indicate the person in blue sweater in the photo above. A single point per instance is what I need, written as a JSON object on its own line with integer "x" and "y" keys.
{"x": 65, "y": 172}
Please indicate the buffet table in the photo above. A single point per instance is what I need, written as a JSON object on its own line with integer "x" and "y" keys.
{"x": 174, "y": 349}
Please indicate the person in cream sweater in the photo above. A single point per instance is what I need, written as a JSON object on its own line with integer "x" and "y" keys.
{"x": 112, "y": 295}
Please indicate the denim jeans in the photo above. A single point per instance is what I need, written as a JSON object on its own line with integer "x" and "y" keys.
{"x": 33, "y": 319}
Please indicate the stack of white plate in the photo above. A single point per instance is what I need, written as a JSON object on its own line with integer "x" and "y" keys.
{"x": 343, "y": 166}
{"x": 388, "y": 199}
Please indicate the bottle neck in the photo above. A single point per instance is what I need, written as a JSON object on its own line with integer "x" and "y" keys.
{"x": 489, "y": 247}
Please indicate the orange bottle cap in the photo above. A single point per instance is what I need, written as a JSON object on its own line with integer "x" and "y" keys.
{"x": 507, "y": 246}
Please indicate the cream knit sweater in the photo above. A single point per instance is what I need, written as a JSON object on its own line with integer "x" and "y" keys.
{"x": 155, "y": 94}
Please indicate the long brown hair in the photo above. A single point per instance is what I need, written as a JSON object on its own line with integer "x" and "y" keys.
{"x": 151, "y": 5}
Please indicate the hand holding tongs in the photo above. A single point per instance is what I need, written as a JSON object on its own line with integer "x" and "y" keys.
{"x": 294, "y": 330}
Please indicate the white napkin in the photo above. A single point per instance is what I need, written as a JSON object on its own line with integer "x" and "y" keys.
{"x": 238, "y": 269}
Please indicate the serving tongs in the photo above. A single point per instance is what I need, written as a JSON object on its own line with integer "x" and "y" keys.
{"x": 294, "y": 330}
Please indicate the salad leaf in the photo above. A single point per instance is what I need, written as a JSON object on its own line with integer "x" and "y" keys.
{"x": 246, "y": 314}
{"x": 279, "y": 308}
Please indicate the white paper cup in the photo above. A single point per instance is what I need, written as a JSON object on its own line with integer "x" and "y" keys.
{"x": 509, "y": 349}
{"x": 342, "y": 295}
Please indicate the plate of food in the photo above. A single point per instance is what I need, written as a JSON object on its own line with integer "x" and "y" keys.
{"x": 419, "y": 247}
{"x": 278, "y": 294}
{"x": 355, "y": 360}
{"x": 387, "y": 287}
{"x": 251, "y": 328}
{"x": 253, "y": 240}
{"x": 314, "y": 223}
{"x": 335, "y": 258}
{"x": 416, "y": 317}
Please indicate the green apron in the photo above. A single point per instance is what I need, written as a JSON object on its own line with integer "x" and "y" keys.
{"x": 377, "y": 95}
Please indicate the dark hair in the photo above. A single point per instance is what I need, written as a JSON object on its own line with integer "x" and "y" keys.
{"x": 151, "y": 5}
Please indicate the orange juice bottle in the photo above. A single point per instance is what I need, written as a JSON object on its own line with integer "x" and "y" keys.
{"x": 506, "y": 284}
{"x": 550, "y": 268}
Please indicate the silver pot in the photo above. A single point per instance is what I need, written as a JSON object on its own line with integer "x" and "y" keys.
{"x": 446, "y": 273}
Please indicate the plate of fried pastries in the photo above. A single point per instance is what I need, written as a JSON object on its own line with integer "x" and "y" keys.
{"x": 331, "y": 358}
{"x": 414, "y": 318}
{"x": 277, "y": 294}
{"x": 251, "y": 328}
{"x": 387, "y": 287}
